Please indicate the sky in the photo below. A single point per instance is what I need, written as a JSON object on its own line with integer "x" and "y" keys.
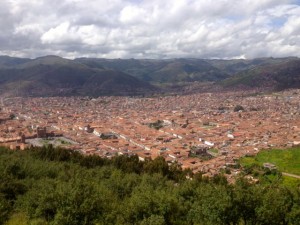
{"x": 156, "y": 29}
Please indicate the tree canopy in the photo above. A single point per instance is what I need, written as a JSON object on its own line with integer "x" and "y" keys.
{"x": 54, "y": 186}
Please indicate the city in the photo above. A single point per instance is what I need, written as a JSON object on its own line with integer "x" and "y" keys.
{"x": 205, "y": 132}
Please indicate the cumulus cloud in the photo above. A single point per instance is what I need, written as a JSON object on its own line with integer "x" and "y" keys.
{"x": 150, "y": 28}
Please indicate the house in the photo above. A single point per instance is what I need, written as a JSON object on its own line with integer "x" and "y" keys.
{"x": 209, "y": 143}
{"x": 199, "y": 150}
{"x": 97, "y": 132}
{"x": 108, "y": 136}
{"x": 269, "y": 166}
{"x": 41, "y": 132}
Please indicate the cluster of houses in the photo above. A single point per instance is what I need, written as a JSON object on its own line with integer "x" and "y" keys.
{"x": 202, "y": 132}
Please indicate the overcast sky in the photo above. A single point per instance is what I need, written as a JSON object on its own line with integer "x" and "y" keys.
{"x": 150, "y": 28}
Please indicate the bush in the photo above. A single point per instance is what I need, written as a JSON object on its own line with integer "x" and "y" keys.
{"x": 238, "y": 108}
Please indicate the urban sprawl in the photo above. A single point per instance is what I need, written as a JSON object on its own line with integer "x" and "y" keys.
{"x": 205, "y": 132}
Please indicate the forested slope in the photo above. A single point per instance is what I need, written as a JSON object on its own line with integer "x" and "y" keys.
{"x": 53, "y": 186}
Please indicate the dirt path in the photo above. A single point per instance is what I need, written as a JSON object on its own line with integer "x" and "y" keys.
{"x": 291, "y": 175}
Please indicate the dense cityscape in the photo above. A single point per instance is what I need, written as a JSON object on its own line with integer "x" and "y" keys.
{"x": 204, "y": 132}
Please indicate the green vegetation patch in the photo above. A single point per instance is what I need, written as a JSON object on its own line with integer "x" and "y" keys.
{"x": 49, "y": 186}
{"x": 290, "y": 182}
{"x": 286, "y": 160}
{"x": 157, "y": 125}
{"x": 214, "y": 150}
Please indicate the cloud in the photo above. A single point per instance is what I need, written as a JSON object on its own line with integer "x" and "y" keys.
{"x": 150, "y": 28}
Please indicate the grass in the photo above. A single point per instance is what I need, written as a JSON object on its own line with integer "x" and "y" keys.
{"x": 290, "y": 181}
{"x": 45, "y": 142}
{"x": 286, "y": 160}
{"x": 248, "y": 161}
{"x": 214, "y": 150}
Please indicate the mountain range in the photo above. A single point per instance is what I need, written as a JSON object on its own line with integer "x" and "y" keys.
{"x": 56, "y": 76}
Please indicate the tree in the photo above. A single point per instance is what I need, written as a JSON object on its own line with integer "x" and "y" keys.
{"x": 77, "y": 203}
{"x": 238, "y": 108}
{"x": 12, "y": 116}
{"x": 153, "y": 220}
{"x": 294, "y": 216}
{"x": 214, "y": 205}
{"x": 246, "y": 198}
{"x": 5, "y": 209}
{"x": 158, "y": 165}
{"x": 275, "y": 207}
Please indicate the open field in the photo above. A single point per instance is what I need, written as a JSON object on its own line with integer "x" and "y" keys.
{"x": 290, "y": 181}
{"x": 286, "y": 160}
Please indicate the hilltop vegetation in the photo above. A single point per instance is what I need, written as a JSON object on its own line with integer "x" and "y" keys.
{"x": 54, "y": 186}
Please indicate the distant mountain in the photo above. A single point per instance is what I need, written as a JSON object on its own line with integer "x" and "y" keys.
{"x": 55, "y": 76}
{"x": 50, "y": 60}
{"x": 161, "y": 71}
{"x": 7, "y": 61}
{"x": 187, "y": 70}
{"x": 283, "y": 74}
{"x": 174, "y": 71}
{"x": 139, "y": 68}
{"x": 234, "y": 66}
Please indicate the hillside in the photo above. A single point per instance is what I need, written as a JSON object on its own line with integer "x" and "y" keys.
{"x": 233, "y": 66}
{"x": 182, "y": 70}
{"x": 277, "y": 76}
{"x": 161, "y": 71}
{"x": 55, "y": 76}
{"x": 7, "y": 61}
{"x": 139, "y": 68}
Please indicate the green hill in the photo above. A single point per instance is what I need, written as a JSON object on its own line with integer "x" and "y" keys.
{"x": 52, "y": 76}
{"x": 177, "y": 71}
{"x": 233, "y": 66}
{"x": 139, "y": 68}
{"x": 161, "y": 71}
{"x": 277, "y": 76}
{"x": 7, "y": 61}
{"x": 187, "y": 70}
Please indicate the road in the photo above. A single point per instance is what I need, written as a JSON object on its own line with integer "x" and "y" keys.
{"x": 291, "y": 175}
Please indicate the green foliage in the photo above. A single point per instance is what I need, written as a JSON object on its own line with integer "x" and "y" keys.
{"x": 290, "y": 181}
{"x": 5, "y": 209}
{"x": 12, "y": 116}
{"x": 42, "y": 186}
{"x": 214, "y": 205}
{"x": 129, "y": 164}
{"x": 157, "y": 125}
{"x": 18, "y": 219}
{"x": 286, "y": 160}
{"x": 238, "y": 108}
{"x": 158, "y": 165}
{"x": 276, "y": 203}
{"x": 153, "y": 220}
